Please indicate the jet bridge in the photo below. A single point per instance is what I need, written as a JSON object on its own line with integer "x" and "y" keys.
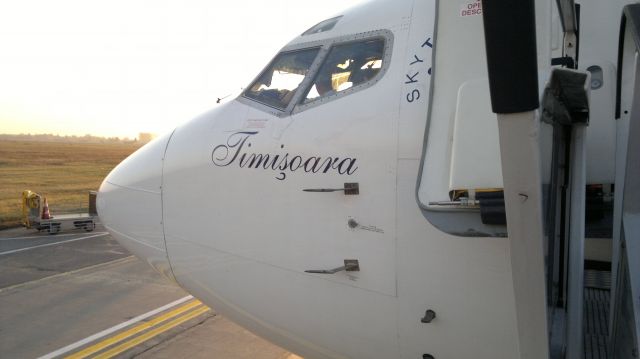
{"x": 579, "y": 318}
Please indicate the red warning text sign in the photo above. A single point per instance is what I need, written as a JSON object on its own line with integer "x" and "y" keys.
{"x": 471, "y": 9}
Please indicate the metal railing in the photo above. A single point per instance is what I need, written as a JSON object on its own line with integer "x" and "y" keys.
{"x": 625, "y": 291}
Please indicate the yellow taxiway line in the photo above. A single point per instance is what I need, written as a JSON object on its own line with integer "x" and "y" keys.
{"x": 140, "y": 328}
{"x": 146, "y": 336}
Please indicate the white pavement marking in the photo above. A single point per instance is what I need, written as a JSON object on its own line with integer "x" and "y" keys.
{"x": 43, "y": 236}
{"x": 75, "y": 271}
{"x": 113, "y": 329}
{"x": 52, "y": 244}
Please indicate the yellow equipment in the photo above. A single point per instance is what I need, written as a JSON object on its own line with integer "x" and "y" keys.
{"x": 30, "y": 207}
{"x": 36, "y": 215}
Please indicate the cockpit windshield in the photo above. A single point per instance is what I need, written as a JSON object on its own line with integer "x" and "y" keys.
{"x": 347, "y": 66}
{"x": 279, "y": 82}
{"x": 322, "y": 72}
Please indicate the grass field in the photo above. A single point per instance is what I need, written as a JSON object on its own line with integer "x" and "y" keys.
{"x": 63, "y": 172}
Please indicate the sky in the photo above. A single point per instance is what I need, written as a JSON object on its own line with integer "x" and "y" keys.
{"x": 121, "y": 67}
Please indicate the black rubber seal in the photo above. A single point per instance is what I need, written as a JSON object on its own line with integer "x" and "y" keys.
{"x": 512, "y": 59}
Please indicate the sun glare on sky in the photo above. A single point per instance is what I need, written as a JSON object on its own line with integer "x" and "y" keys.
{"x": 120, "y": 67}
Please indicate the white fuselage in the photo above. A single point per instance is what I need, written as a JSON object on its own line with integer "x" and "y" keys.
{"x": 218, "y": 205}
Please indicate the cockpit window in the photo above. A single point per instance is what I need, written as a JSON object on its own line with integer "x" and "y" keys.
{"x": 279, "y": 82}
{"x": 322, "y": 26}
{"x": 347, "y": 66}
{"x": 310, "y": 74}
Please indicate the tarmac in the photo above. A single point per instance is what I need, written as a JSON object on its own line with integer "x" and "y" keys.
{"x": 82, "y": 295}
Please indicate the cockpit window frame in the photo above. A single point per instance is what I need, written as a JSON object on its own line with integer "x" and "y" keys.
{"x": 296, "y": 105}
{"x": 270, "y": 66}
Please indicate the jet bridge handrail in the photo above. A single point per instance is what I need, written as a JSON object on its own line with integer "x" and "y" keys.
{"x": 630, "y": 16}
{"x": 625, "y": 290}
{"x": 510, "y": 42}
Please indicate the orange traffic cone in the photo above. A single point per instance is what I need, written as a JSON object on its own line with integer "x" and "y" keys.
{"x": 45, "y": 210}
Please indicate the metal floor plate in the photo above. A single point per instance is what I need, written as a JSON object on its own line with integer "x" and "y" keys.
{"x": 596, "y": 314}
{"x": 597, "y": 279}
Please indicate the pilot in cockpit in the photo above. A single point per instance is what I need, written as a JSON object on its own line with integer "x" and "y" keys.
{"x": 324, "y": 84}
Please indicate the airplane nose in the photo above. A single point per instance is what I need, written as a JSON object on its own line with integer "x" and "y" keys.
{"x": 129, "y": 204}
